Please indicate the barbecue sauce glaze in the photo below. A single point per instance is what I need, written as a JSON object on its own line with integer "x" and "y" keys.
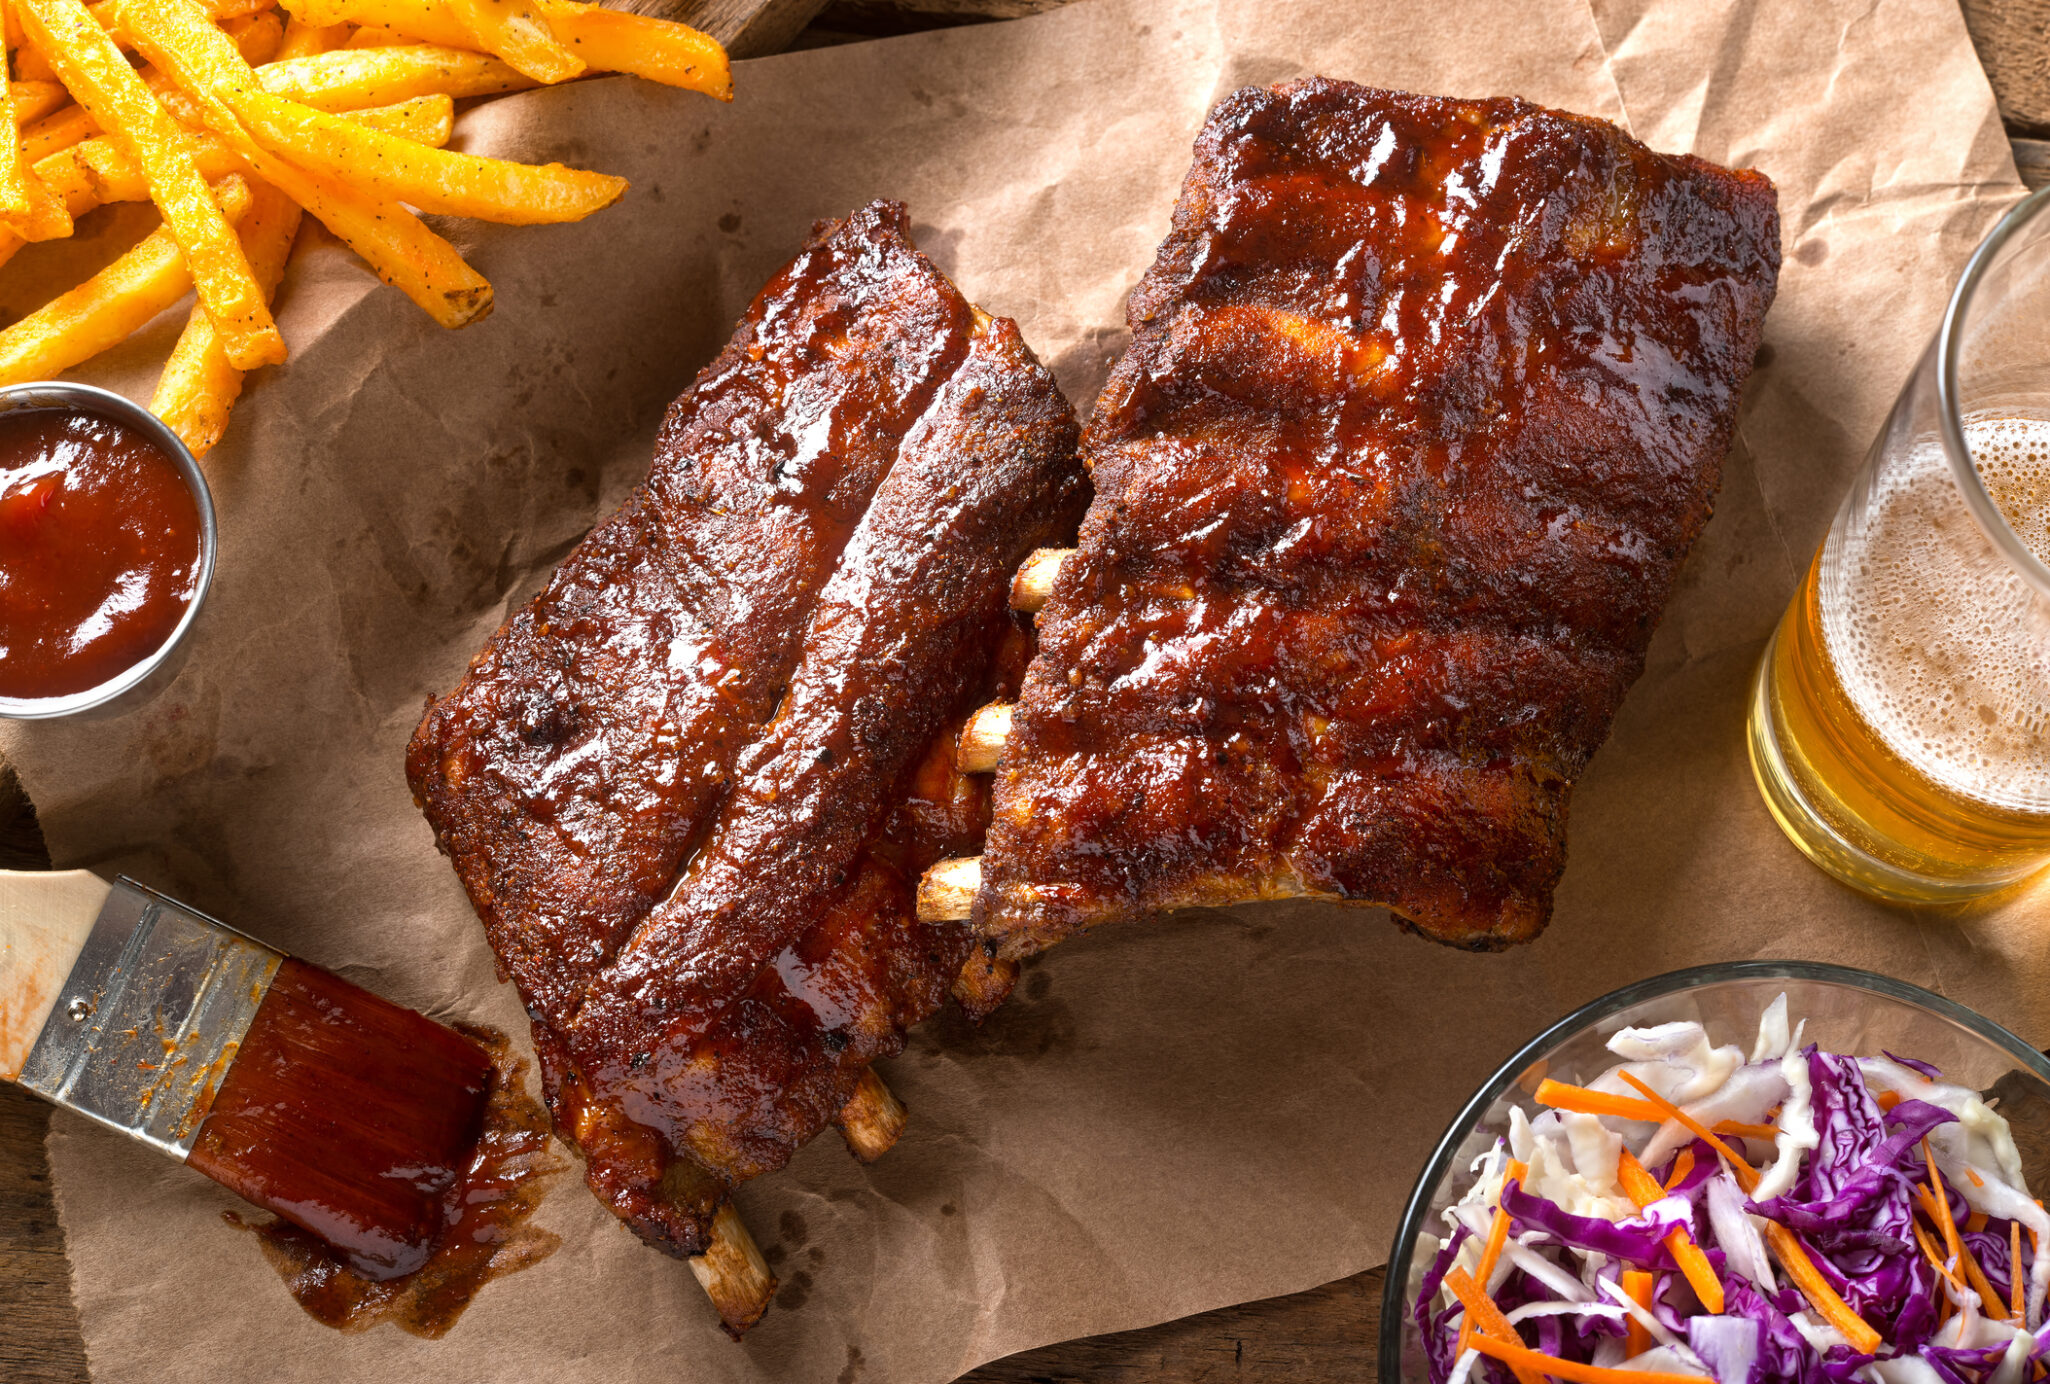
{"x": 99, "y": 551}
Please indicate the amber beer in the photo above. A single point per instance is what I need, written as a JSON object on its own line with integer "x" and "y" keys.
{"x": 1900, "y": 720}
{"x": 1905, "y": 700}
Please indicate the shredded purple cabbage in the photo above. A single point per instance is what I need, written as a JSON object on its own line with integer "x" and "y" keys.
{"x": 1928, "y": 1069}
{"x": 1637, "y": 1240}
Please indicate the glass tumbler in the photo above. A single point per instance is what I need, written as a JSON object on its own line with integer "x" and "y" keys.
{"x": 1900, "y": 720}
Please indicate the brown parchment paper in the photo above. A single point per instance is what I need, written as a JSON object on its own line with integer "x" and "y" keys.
{"x": 1168, "y": 1117}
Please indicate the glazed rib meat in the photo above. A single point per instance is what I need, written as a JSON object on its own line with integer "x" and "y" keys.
{"x": 689, "y": 786}
{"x": 1425, "y": 402}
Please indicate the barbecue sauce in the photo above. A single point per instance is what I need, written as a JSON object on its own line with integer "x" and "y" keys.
{"x": 486, "y": 1236}
{"x": 99, "y": 551}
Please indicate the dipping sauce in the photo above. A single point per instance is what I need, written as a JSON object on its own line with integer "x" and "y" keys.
{"x": 99, "y": 551}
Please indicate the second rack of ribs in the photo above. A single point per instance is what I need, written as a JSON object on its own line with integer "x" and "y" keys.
{"x": 689, "y": 787}
{"x": 1426, "y": 401}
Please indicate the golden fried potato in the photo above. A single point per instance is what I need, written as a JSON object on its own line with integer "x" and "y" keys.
{"x": 177, "y": 36}
{"x": 352, "y": 78}
{"x": 103, "y": 83}
{"x": 110, "y": 306}
{"x": 433, "y": 180}
{"x": 199, "y": 385}
{"x": 655, "y": 49}
{"x": 516, "y": 31}
{"x": 606, "y": 40}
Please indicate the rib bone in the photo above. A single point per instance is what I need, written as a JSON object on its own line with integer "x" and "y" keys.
{"x": 947, "y": 893}
{"x": 982, "y": 739}
{"x": 872, "y": 1118}
{"x": 733, "y": 1273}
{"x": 1034, "y": 582}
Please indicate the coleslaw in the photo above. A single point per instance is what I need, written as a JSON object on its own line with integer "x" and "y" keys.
{"x": 1786, "y": 1214}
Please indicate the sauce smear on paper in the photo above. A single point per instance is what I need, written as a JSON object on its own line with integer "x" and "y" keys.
{"x": 487, "y": 1236}
{"x": 99, "y": 551}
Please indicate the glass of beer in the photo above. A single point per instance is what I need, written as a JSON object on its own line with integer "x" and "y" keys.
{"x": 1900, "y": 722}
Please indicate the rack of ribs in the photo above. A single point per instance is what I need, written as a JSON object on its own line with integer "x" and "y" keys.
{"x": 690, "y": 786}
{"x": 1426, "y": 401}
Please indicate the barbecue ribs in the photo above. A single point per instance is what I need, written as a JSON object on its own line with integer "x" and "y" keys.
{"x": 1425, "y": 402}
{"x": 690, "y": 786}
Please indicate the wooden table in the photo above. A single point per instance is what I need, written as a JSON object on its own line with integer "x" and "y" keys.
{"x": 1325, "y": 1334}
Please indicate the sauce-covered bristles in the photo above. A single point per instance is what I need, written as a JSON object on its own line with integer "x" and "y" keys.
{"x": 348, "y": 1116}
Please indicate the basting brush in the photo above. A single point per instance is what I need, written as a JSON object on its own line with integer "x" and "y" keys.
{"x": 312, "y": 1098}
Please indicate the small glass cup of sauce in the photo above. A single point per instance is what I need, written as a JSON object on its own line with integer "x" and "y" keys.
{"x": 106, "y": 550}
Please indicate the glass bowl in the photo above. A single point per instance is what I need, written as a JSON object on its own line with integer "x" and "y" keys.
{"x": 1847, "y": 1010}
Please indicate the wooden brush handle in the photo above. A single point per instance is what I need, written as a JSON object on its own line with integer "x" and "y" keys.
{"x": 45, "y": 916}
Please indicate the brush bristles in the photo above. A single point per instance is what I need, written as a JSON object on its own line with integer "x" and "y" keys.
{"x": 348, "y": 1116}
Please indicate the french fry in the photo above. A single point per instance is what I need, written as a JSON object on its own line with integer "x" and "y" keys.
{"x": 352, "y": 78}
{"x": 60, "y": 131}
{"x": 657, "y": 50}
{"x": 101, "y": 80}
{"x": 199, "y": 385}
{"x": 35, "y": 66}
{"x": 607, "y": 40}
{"x": 369, "y": 36}
{"x": 14, "y": 173}
{"x": 99, "y": 170}
{"x": 429, "y": 21}
{"x": 110, "y": 306}
{"x": 398, "y": 246}
{"x": 516, "y": 31}
{"x": 433, "y": 180}
{"x": 34, "y": 100}
{"x": 68, "y": 125}
{"x": 308, "y": 40}
{"x": 424, "y": 119}
{"x": 257, "y": 35}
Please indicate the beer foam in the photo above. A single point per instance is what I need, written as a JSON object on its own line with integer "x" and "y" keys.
{"x": 1944, "y": 650}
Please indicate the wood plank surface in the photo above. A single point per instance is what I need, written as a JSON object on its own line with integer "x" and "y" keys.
{"x": 748, "y": 28}
{"x": 1323, "y": 1336}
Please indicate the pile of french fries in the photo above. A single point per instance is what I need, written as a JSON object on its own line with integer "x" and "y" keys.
{"x": 234, "y": 118}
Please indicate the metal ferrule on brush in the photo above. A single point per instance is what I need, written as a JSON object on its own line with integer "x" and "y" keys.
{"x": 150, "y": 1019}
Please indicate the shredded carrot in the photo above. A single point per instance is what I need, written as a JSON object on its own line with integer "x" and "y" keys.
{"x": 1937, "y": 1208}
{"x": 2014, "y": 1270}
{"x": 1935, "y": 1259}
{"x": 1888, "y": 1099}
{"x": 1582, "y": 1101}
{"x": 1983, "y": 1286}
{"x": 1498, "y": 1235}
{"x": 1492, "y": 1326}
{"x": 1538, "y": 1362}
{"x": 1977, "y": 1181}
{"x": 1942, "y": 1200}
{"x": 1747, "y": 1176}
{"x": 1637, "y": 1287}
{"x": 1682, "y": 1166}
{"x": 1738, "y": 1129}
{"x": 1975, "y": 1222}
{"x": 1643, "y": 1188}
{"x": 1794, "y": 1259}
